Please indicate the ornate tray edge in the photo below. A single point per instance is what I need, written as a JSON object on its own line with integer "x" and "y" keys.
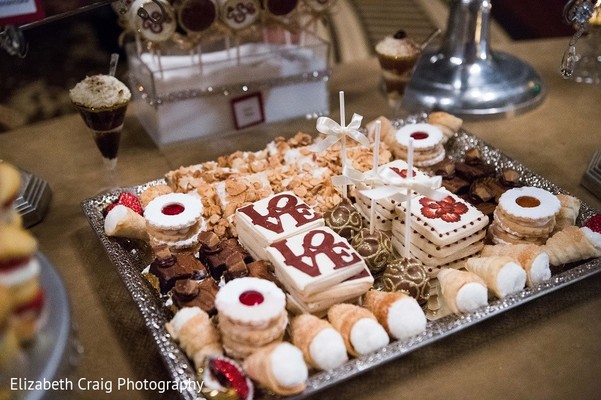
{"x": 156, "y": 315}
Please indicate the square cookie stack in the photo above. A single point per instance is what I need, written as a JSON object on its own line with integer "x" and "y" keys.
{"x": 273, "y": 218}
{"x": 385, "y": 208}
{"x": 444, "y": 232}
{"x": 319, "y": 268}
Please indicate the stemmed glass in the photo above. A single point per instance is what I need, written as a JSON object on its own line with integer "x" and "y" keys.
{"x": 102, "y": 102}
{"x": 398, "y": 56}
{"x": 588, "y": 65}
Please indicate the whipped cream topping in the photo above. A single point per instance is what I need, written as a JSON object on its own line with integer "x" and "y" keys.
{"x": 327, "y": 349}
{"x": 539, "y": 270}
{"x": 182, "y": 317}
{"x": 288, "y": 366}
{"x": 368, "y": 335}
{"x": 397, "y": 47}
{"x": 406, "y": 318}
{"x": 471, "y": 296}
{"x": 100, "y": 91}
{"x": 511, "y": 279}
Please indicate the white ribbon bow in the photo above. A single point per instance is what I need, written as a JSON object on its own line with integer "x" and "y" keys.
{"x": 388, "y": 183}
{"x": 335, "y": 132}
{"x": 350, "y": 176}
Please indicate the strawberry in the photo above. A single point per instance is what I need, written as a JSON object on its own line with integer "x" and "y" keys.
{"x": 108, "y": 208}
{"x": 230, "y": 375}
{"x": 130, "y": 200}
{"x": 594, "y": 223}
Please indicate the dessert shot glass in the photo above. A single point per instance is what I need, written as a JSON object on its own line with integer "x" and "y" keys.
{"x": 102, "y": 102}
{"x": 398, "y": 54}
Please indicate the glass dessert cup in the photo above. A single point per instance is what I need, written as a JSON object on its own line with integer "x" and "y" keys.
{"x": 588, "y": 66}
{"x": 396, "y": 74}
{"x": 106, "y": 125}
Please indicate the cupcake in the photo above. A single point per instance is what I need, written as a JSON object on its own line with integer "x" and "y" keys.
{"x": 397, "y": 55}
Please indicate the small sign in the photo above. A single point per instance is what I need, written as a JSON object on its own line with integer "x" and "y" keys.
{"x": 19, "y": 12}
{"x": 248, "y": 110}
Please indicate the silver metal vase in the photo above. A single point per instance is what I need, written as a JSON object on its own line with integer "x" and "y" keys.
{"x": 466, "y": 77}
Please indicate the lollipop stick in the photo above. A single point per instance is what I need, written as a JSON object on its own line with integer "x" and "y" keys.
{"x": 343, "y": 143}
{"x": 228, "y": 45}
{"x": 377, "y": 146}
{"x": 113, "y": 64}
{"x": 138, "y": 44}
{"x": 199, "y": 50}
{"x": 372, "y": 214}
{"x": 408, "y": 230}
{"x": 287, "y": 37}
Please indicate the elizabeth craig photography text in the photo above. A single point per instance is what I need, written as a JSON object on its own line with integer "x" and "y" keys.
{"x": 106, "y": 386}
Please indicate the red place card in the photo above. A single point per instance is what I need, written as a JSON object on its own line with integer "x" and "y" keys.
{"x": 19, "y": 12}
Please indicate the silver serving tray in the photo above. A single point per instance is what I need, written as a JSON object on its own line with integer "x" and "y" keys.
{"x": 132, "y": 257}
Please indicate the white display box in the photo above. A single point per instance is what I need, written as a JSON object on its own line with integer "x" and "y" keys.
{"x": 181, "y": 95}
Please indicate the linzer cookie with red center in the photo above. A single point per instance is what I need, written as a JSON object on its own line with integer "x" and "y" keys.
{"x": 525, "y": 215}
{"x": 252, "y": 313}
{"x": 174, "y": 219}
{"x": 274, "y": 218}
{"x": 314, "y": 261}
{"x": 427, "y": 144}
{"x": 445, "y": 231}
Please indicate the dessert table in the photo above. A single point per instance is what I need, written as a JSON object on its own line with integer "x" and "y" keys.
{"x": 546, "y": 349}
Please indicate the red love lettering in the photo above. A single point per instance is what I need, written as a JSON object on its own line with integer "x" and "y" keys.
{"x": 314, "y": 243}
{"x": 276, "y": 207}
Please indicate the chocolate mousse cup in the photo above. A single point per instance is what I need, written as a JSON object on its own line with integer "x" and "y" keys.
{"x": 397, "y": 56}
{"x": 102, "y": 101}
{"x": 106, "y": 126}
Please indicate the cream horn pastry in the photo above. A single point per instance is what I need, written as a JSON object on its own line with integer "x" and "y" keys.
{"x": 568, "y": 211}
{"x": 573, "y": 244}
{"x": 122, "y": 221}
{"x": 279, "y": 367}
{"x": 531, "y": 257}
{"x": 399, "y": 313}
{"x": 502, "y": 274}
{"x": 195, "y": 333}
{"x": 463, "y": 291}
{"x": 359, "y": 327}
{"x": 322, "y": 346}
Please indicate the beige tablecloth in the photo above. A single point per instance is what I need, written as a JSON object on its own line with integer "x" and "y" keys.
{"x": 546, "y": 349}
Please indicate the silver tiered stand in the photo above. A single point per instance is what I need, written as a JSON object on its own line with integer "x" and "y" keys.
{"x": 33, "y": 199}
{"x": 466, "y": 77}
